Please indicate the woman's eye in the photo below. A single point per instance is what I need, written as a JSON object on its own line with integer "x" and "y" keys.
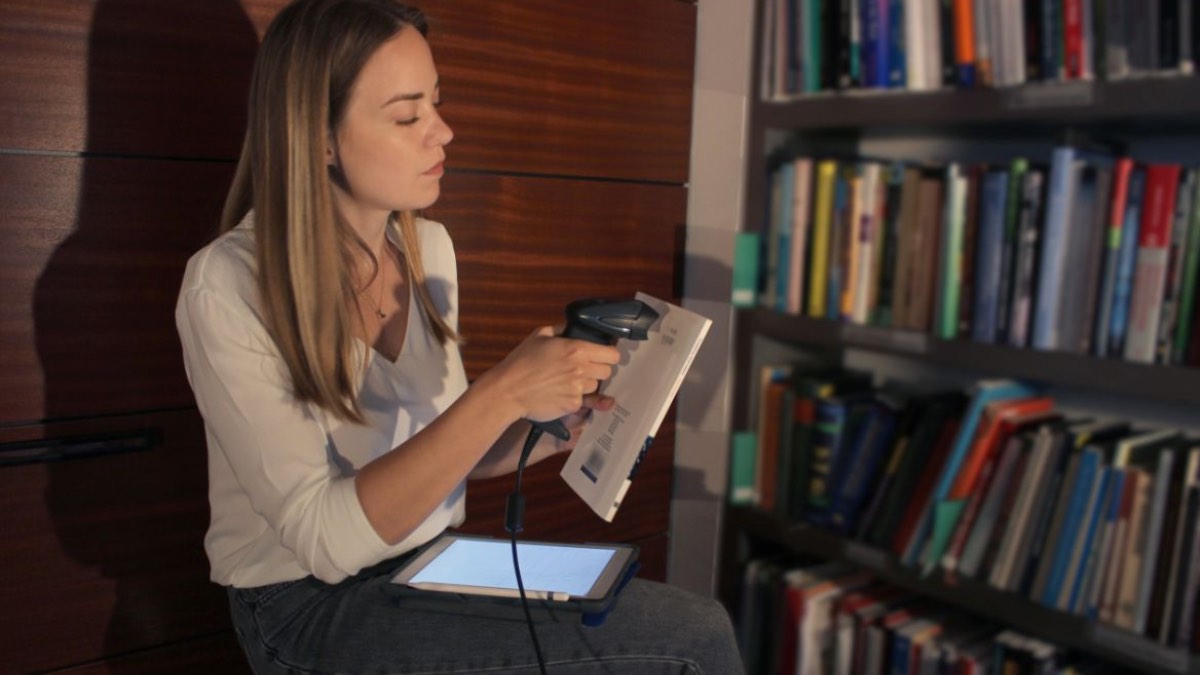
{"x": 408, "y": 122}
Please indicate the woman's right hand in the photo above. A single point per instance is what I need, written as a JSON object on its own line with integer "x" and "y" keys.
{"x": 547, "y": 377}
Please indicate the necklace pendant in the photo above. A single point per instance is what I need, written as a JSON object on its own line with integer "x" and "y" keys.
{"x": 380, "y": 314}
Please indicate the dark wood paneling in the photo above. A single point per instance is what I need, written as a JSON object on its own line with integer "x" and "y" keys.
{"x": 528, "y": 246}
{"x": 104, "y": 555}
{"x": 580, "y": 88}
{"x": 652, "y": 554}
{"x": 569, "y": 88}
{"x": 130, "y": 77}
{"x": 91, "y": 254}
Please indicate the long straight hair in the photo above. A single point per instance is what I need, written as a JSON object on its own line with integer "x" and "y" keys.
{"x": 309, "y": 59}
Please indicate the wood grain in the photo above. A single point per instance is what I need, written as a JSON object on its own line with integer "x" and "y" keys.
{"x": 91, "y": 255}
{"x": 105, "y": 555}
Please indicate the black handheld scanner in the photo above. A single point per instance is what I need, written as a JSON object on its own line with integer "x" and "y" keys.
{"x": 602, "y": 321}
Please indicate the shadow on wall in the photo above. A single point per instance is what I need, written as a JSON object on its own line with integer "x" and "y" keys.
{"x": 167, "y": 84}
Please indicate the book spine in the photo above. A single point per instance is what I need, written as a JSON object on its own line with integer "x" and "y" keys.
{"x": 1191, "y": 266}
{"x": 1111, "y": 255}
{"x": 1055, "y": 240}
{"x": 1150, "y": 271}
{"x": 1126, "y": 260}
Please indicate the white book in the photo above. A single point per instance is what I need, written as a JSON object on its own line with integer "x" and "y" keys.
{"x": 644, "y": 384}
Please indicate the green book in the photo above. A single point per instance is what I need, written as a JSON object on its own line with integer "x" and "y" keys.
{"x": 745, "y": 269}
{"x": 743, "y": 456}
{"x": 1187, "y": 301}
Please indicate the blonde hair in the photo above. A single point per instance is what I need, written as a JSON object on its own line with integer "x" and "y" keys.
{"x": 308, "y": 61}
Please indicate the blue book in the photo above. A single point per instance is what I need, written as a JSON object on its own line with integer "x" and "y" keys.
{"x": 876, "y": 44}
{"x": 1093, "y": 516}
{"x": 897, "y": 68}
{"x": 1056, "y": 238}
{"x": 1126, "y": 262}
{"x": 936, "y": 524}
{"x": 860, "y": 465}
{"x": 988, "y": 247}
{"x": 1086, "y": 486}
{"x": 1086, "y": 600}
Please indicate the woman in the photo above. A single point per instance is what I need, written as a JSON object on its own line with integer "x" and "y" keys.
{"x": 320, "y": 339}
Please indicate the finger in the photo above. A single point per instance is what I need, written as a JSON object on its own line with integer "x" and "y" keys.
{"x": 598, "y": 402}
{"x": 545, "y": 331}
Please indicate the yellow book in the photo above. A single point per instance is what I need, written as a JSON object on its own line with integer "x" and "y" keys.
{"x": 822, "y": 222}
{"x": 853, "y": 234}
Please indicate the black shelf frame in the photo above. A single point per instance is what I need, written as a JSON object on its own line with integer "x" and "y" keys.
{"x": 1112, "y": 644}
{"x": 1156, "y": 382}
{"x": 1170, "y": 99}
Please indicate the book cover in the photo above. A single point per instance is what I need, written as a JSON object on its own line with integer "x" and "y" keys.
{"x": 1015, "y": 543}
{"x": 1015, "y": 203}
{"x": 810, "y": 387}
{"x": 952, "y": 251}
{"x": 1122, "y": 170}
{"x": 743, "y": 450}
{"x": 1066, "y": 167}
{"x": 1190, "y": 281}
{"x": 1150, "y": 268}
{"x": 989, "y": 248}
{"x": 938, "y": 524}
{"x": 966, "y": 273}
{"x": 823, "y": 215}
{"x": 1173, "y": 286}
{"x": 745, "y": 269}
{"x": 600, "y": 467}
{"x": 801, "y": 219}
{"x": 1126, "y": 261}
{"x": 1025, "y": 266}
{"x": 1183, "y": 560}
{"x": 924, "y": 418}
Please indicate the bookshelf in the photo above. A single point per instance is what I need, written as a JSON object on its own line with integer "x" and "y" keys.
{"x": 1152, "y": 109}
{"x": 1120, "y": 647}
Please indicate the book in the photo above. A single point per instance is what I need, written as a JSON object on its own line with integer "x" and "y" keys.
{"x": 601, "y": 465}
{"x": 938, "y": 522}
{"x": 1150, "y": 268}
{"x": 743, "y": 451}
{"x": 1122, "y": 170}
{"x": 745, "y": 269}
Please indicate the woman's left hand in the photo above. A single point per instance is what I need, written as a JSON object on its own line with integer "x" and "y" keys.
{"x": 576, "y": 420}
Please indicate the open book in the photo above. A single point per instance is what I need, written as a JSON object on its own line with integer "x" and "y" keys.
{"x": 644, "y": 384}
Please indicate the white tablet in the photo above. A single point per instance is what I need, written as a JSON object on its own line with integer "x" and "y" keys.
{"x": 584, "y": 574}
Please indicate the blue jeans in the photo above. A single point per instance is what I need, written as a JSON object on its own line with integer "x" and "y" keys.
{"x": 366, "y": 626}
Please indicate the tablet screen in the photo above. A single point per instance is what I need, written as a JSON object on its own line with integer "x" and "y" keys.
{"x": 544, "y": 567}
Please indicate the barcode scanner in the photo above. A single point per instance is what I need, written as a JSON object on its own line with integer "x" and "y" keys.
{"x": 602, "y": 322}
{"x": 596, "y": 320}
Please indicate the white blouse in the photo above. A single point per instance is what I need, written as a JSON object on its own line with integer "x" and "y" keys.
{"x": 281, "y": 472}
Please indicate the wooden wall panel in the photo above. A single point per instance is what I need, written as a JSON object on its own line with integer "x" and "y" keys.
{"x": 91, "y": 254}
{"x": 565, "y": 88}
{"x": 568, "y": 88}
{"x": 119, "y": 125}
{"x": 104, "y": 555}
{"x": 129, "y": 77}
{"x": 527, "y": 246}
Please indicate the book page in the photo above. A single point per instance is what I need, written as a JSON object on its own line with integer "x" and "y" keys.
{"x": 643, "y": 384}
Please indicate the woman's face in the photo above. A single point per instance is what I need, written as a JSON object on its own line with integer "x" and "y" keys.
{"x": 391, "y": 142}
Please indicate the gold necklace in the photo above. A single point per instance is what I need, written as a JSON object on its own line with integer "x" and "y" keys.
{"x": 382, "y": 285}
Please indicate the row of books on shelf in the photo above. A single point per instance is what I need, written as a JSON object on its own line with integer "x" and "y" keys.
{"x": 810, "y": 46}
{"x": 1097, "y": 518}
{"x": 805, "y": 618}
{"x": 1089, "y": 253}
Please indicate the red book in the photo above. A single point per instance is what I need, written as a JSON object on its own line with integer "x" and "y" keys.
{"x": 1072, "y": 39}
{"x": 1153, "y": 256}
